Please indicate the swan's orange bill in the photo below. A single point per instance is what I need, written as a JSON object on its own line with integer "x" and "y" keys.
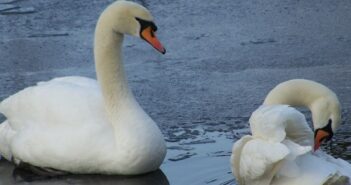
{"x": 149, "y": 36}
{"x": 320, "y": 136}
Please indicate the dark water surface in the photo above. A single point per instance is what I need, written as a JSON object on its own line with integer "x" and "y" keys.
{"x": 223, "y": 58}
{"x": 10, "y": 175}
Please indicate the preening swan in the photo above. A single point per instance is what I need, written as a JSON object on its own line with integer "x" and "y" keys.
{"x": 79, "y": 125}
{"x": 322, "y": 102}
{"x": 279, "y": 150}
{"x": 271, "y": 157}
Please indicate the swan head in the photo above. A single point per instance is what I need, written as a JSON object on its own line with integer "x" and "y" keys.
{"x": 326, "y": 116}
{"x": 322, "y": 102}
{"x": 133, "y": 19}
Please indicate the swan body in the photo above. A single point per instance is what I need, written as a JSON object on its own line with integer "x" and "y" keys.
{"x": 80, "y": 125}
{"x": 272, "y": 157}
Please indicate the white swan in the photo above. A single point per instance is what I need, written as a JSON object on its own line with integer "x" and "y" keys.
{"x": 278, "y": 152}
{"x": 271, "y": 157}
{"x": 77, "y": 125}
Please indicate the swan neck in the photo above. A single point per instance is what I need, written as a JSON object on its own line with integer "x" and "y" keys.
{"x": 109, "y": 65}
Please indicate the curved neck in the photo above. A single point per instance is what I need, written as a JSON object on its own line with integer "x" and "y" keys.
{"x": 290, "y": 96}
{"x": 109, "y": 66}
{"x": 321, "y": 101}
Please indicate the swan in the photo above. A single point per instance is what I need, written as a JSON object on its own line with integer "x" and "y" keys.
{"x": 271, "y": 157}
{"x": 80, "y": 125}
{"x": 279, "y": 150}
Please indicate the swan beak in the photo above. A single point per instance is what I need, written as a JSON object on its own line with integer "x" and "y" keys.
{"x": 149, "y": 36}
{"x": 320, "y": 136}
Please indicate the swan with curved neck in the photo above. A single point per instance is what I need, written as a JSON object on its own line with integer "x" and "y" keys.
{"x": 270, "y": 156}
{"x": 75, "y": 124}
{"x": 322, "y": 102}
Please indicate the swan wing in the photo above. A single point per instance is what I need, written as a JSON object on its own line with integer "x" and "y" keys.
{"x": 261, "y": 159}
{"x": 236, "y": 156}
{"x": 54, "y": 122}
{"x": 317, "y": 170}
{"x": 276, "y": 122}
{"x": 55, "y": 102}
{"x": 268, "y": 123}
{"x": 290, "y": 168}
{"x": 341, "y": 165}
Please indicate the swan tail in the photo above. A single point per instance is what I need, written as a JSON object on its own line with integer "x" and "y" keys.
{"x": 6, "y": 134}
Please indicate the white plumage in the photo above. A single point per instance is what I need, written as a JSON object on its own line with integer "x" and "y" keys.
{"x": 271, "y": 157}
{"x": 79, "y": 125}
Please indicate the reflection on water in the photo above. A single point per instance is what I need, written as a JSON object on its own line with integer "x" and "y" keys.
{"x": 10, "y": 175}
{"x": 200, "y": 160}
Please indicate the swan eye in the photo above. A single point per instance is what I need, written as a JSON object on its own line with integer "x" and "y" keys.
{"x": 145, "y": 24}
{"x": 154, "y": 27}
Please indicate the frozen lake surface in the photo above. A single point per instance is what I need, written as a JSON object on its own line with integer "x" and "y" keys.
{"x": 222, "y": 59}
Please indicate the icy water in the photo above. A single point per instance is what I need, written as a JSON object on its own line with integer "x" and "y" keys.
{"x": 222, "y": 58}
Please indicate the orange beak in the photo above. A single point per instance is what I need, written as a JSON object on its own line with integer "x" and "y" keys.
{"x": 320, "y": 136}
{"x": 149, "y": 36}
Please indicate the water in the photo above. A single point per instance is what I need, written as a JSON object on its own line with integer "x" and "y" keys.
{"x": 9, "y": 175}
{"x": 223, "y": 58}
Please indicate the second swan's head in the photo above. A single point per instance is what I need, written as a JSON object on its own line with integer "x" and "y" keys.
{"x": 322, "y": 102}
{"x": 326, "y": 116}
{"x": 130, "y": 18}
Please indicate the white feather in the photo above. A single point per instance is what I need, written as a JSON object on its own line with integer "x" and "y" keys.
{"x": 269, "y": 159}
